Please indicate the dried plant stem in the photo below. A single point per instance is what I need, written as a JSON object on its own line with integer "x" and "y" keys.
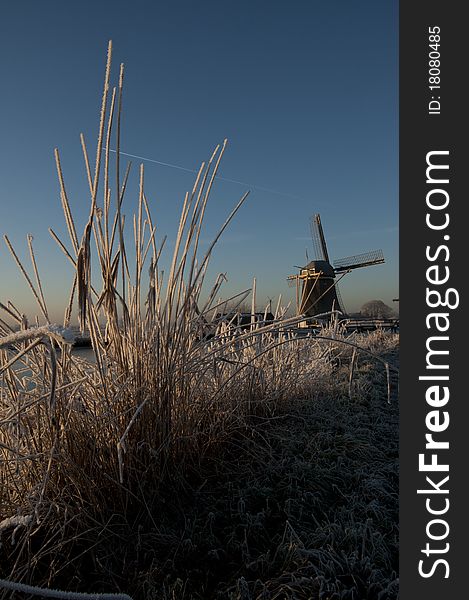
{"x": 26, "y": 276}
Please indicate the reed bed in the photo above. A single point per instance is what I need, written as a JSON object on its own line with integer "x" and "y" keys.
{"x": 89, "y": 448}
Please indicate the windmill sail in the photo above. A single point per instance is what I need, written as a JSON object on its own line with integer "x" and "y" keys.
{"x": 341, "y": 306}
{"x": 319, "y": 241}
{"x": 375, "y": 257}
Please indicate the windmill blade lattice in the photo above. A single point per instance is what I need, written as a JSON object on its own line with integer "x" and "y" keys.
{"x": 374, "y": 257}
{"x": 319, "y": 241}
{"x": 340, "y": 299}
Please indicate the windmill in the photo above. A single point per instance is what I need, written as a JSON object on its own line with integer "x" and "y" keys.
{"x": 316, "y": 285}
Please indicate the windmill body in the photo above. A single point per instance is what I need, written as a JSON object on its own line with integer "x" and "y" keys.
{"x": 318, "y": 289}
{"x": 317, "y": 294}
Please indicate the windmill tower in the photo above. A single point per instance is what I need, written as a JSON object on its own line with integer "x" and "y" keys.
{"x": 316, "y": 284}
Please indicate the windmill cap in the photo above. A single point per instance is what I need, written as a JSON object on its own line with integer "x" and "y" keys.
{"x": 321, "y": 265}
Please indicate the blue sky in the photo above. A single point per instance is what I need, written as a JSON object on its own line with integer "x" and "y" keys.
{"x": 305, "y": 91}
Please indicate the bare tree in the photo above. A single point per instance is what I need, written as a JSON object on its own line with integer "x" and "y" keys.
{"x": 377, "y": 309}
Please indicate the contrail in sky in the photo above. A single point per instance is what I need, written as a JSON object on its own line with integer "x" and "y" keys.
{"x": 253, "y": 187}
